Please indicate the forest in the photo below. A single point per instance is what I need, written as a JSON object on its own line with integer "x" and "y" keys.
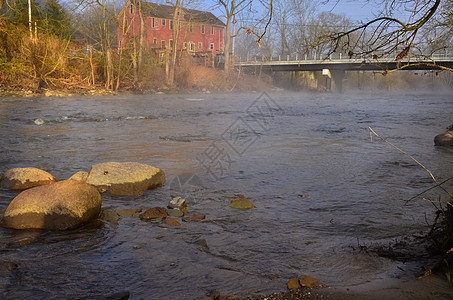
{"x": 72, "y": 45}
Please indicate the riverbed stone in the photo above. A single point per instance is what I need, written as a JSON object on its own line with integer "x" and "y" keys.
{"x": 308, "y": 281}
{"x": 293, "y": 284}
{"x": 59, "y": 206}
{"x": 194, "y": 217}
{"x": 172, "y": 221}
{"x": 125, "y": 178}
{"x": 25, "y": 178}
{"x": 178, "y": 203}
{"x": 241, "y": 202}
{"x": 154, "y": 213}
{"x": 110, "y": 216}
{"x": 80, "y": 176}
{"x": 444, "y": 139}
{"x": 175, "y": 212}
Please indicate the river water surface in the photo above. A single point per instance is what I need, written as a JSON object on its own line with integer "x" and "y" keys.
{"x": 321, "y": 184}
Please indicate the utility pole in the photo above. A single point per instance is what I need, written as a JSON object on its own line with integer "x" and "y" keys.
{"x": 29, "y": 20}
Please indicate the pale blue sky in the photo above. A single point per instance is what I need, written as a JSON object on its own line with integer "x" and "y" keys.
{"x": 357, "y": 10}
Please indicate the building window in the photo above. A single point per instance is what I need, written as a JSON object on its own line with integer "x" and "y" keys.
{"x": 171, "y": 44}
{"x": 121, "y": 43}
{"x": 211, "y": 46}
{"x": 212, "y": 29}
{"x": 153, "y": 22}
{"x": 155, "y": 41}
{"x": 132, "y": 8}
{"x": 192, "y": 46}
{"x": 163, "y": 44}
{"x": 202, "y": 28}
{"x": 185, "y": 45}
{"x": 163, "y": 22}
{"x": 200, "y": 45}
{"x": 171, "y": 24}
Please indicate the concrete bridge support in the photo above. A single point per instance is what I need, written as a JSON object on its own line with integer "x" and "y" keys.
{"x": 333, "y": 80}
{"x": 337, "y": 80}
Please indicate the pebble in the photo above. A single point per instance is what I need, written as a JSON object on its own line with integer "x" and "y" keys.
{"x": 177, "y": 202}
{"x": 39, "y": 121}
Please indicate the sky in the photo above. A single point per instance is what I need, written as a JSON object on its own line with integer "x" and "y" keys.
{"x": 356, "y": 10}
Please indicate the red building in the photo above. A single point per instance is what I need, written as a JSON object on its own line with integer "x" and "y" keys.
{"x": 200, "y": 32}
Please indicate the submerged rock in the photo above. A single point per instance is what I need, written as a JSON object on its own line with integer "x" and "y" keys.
{"x": 113, "y": 216}
{"x": 154, "y": 213}
{"x": 241, "y": 202}
{"x": 175, "y": 212}
{"x": 59, "y": 206}
{"x": 304, "y": 281}
{"x": 172, "y": 222}
{"x": 444, "y": 139}
{"x": 110, "y": 216}
{"x": 308, "y": 281}
{"x": 125, "y": 179}
{"x": 293, "y": 284}
{"x": 25, "y": 178}
{"x": 194, "y": 217}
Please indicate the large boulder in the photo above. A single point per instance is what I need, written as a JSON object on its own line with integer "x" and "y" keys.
{"x": 59, "y": 206}
{"x": 80, "y": 176}
{"x": 25, "y": 178}
{"x": 126, "y": 178}
{"x": 444, "y": 139}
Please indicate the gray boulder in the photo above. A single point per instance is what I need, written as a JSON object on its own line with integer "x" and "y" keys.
{"x": 444, "y": 139}
{"x": 25, "y": 178}
{"x": 125, "y": 178}
{"x": 59, "y": 206}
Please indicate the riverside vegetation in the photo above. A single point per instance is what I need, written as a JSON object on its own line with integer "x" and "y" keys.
{"x": 56, "y": 65}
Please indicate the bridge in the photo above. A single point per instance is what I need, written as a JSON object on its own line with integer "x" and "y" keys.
{"x": 334, "y": 67}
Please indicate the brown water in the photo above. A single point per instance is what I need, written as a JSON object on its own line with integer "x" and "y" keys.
{"x": 319, "y": 182}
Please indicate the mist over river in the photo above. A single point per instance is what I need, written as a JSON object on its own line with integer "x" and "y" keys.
{"x": 320, "y": 182}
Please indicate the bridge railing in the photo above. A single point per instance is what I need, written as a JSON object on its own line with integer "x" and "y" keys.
{"x": 443, "y": 56}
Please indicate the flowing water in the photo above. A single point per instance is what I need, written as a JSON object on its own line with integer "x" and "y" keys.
{"x": 321, "y": 184}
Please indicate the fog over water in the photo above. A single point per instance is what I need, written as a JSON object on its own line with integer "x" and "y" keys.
{"x": 320, "y": 182}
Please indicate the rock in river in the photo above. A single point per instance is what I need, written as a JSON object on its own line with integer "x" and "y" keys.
{"x": 25, "y": 178}
{"x": 444, "y": 139}
{"x": 154, "y": 213}
{"x": 125, "y": 179}
{"x": 241, "y": 202}
{"x": 80, "y": 176}
{"x": 59, "y": 206}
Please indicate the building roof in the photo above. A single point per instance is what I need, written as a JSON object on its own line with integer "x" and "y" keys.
{"x": 190, "y": 15}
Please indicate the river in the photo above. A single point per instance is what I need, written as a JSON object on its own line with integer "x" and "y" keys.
{"x": 322, "y": 185}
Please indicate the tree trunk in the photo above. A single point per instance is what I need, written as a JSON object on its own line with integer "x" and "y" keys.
{"x": 226, "y": 67}
{"x": 142, "y": 36}
{"x": 174, "y": 47}
{"x": 109, "y": 61}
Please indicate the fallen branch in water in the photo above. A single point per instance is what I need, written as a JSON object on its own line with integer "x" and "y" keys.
{"x": 444, "y": 217}
{"x": 404, "y": 152}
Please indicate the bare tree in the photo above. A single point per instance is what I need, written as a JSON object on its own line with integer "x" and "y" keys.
{"x": 389, "y": 34}
{"x": 232, "y": 9}
{"x": 177, "y": 4}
